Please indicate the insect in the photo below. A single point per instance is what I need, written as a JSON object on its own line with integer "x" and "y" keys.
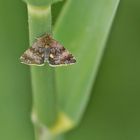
{"x": 47, "y": 49}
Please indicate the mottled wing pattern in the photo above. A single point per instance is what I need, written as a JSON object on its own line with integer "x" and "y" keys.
{"x": 47, "y": 49}
{"x": 57, "y": 55}
{"x": 33, "y": 56}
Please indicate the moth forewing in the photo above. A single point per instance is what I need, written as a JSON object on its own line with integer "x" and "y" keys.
{"x": 32, "y": 56}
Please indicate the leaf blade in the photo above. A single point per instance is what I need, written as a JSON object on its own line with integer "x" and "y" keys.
{"x": 85, "y": 36}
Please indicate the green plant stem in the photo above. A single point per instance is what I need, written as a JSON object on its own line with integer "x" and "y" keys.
{"x": 45, "y": 111}
{"x": 44, "y": 98}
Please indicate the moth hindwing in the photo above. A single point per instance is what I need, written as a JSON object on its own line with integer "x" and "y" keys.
{"x": 47, "y": 49}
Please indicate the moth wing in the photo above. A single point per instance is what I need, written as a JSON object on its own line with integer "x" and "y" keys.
{"x": 57, "y": 56}
{"x": 33, "y": 56}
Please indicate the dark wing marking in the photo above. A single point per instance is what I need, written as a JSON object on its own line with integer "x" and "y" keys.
{"x": 58, "y": 56}
{"x": 33, "y": 56}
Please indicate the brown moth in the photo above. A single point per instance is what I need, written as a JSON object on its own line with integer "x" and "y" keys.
{"x": 47, "y": 49}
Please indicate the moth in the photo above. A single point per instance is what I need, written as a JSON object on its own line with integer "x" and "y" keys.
{"x": 47, "y": 49}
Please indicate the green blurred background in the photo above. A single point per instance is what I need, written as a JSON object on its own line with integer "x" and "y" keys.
{"x": 113, "y": 111}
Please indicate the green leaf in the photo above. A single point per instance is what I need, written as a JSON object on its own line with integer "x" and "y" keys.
{"x": 113, "y": 111}
{"x": 84, "y": 32}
